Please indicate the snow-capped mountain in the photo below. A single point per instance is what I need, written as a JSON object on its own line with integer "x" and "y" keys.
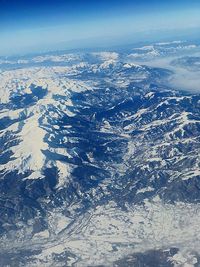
{"x": 99, "y": 160}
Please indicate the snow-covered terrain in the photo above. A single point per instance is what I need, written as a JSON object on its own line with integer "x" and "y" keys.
{"x": 99, "y": 159}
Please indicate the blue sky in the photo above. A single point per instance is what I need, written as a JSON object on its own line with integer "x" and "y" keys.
{"x": 33, "y": 25}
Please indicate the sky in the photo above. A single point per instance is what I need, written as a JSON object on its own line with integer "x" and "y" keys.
{"x": 43, "y": 25}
